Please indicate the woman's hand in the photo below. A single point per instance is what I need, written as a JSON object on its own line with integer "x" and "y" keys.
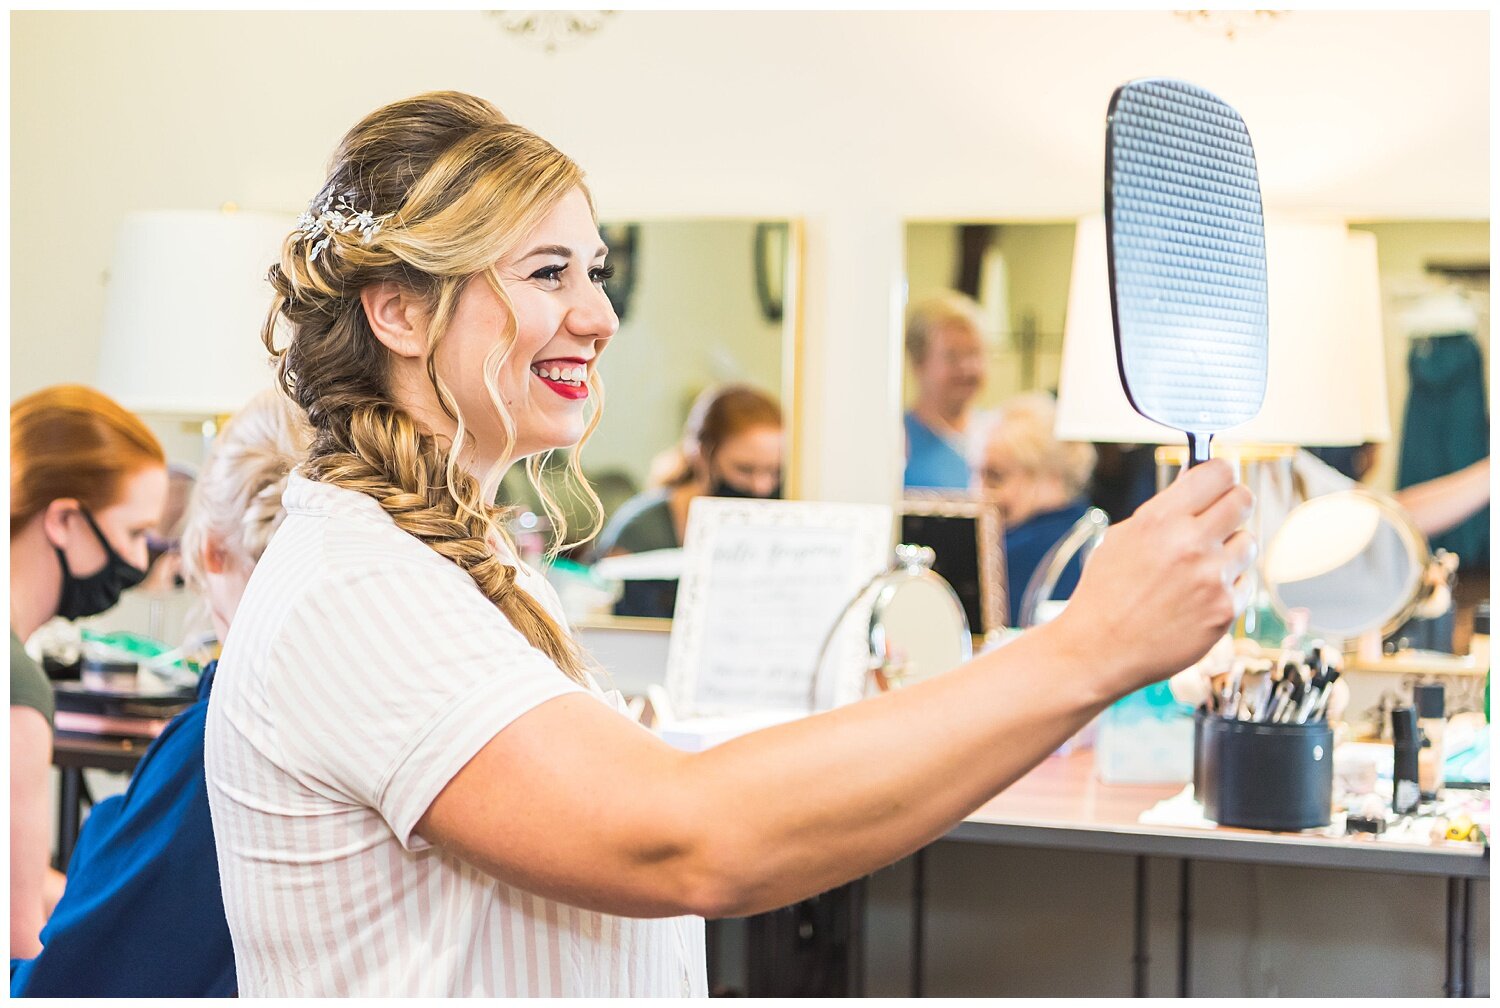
{"x": 1166, "y": 584}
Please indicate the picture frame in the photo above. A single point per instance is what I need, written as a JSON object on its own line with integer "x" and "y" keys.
{"x": 764, "y": 584}
{"x": 967, "y": 536}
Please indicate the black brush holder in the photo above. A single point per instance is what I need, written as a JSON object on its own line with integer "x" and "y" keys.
{"x": 1263, "y": 776}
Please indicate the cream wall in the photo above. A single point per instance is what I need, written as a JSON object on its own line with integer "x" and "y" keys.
{"x": 928, "y": 115}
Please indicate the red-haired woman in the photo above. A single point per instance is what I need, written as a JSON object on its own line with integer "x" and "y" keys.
{"x": 87, "y": 481}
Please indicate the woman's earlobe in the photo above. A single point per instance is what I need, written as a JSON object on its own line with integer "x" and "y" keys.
{"x": 54, "y": 519}
{"x": 211, "y": 558}
{"x": 396, "y": 317}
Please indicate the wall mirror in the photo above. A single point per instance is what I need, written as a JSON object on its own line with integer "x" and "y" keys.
{"x": 702, "y": 302}
{"x": 1018, "y": 274}
{"x": 1019, "y": 271}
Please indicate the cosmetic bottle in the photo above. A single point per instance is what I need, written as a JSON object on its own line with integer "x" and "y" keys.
{"x": 1479, "y": 648}
{"x": 1407, "y": 742}
{"x": 1431, "y": 722}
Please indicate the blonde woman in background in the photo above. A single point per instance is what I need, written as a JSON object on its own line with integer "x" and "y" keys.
{"x": 142, "y": 915}
{"x": 417, "y": 786}
{"x": 1040, "y": 484}
{"x": 87, "y": 482}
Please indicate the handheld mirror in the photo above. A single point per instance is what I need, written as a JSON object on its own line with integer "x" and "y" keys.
{"x": 1187, "y": 258}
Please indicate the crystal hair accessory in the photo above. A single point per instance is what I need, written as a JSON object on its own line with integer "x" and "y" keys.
{"x": 337, "y": 216}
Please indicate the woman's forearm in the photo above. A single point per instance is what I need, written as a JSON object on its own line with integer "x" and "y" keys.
{"x": 30, "y": 828}
{"x": 801, "y": 807}
{"x": 1439, "y": 504}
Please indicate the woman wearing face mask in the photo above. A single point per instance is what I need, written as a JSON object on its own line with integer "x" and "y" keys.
{"x": 87, "y": 482}
{"x": 417, "y": 786}
{"x": 731, "y": 447}
{"x": 142, "y": 915}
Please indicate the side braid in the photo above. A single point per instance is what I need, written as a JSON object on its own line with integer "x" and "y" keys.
{"x": 405, "y": 471}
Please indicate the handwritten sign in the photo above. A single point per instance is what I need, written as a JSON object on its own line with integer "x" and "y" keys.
{"x": 763, "y": 584}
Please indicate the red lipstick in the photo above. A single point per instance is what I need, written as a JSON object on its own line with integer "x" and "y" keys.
{"x": 566, "y": 389}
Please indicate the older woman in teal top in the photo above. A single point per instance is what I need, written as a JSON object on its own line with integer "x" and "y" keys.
{"x": 945, "y": 345}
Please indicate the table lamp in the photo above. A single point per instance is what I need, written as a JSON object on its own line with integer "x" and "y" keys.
{"x": 186, "y": 300}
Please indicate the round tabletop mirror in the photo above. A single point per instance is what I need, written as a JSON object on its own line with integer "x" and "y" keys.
{"x": 1352, "y": 559}
{"x": 916, "y": 625}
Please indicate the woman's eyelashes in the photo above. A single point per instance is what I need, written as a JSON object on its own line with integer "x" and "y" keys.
{"x": 553, "y": 274}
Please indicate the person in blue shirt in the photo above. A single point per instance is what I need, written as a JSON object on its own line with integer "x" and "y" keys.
{"x": 142, "y": 914}
{"x": 1039, "y": 483}
{"x": 945, "y": 345}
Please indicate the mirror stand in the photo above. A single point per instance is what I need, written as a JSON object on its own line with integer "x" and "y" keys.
{"x": 916, "y": 626}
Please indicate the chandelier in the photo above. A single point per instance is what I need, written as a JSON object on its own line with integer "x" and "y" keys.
{"x": 1230, "y": 24}
{"x": 547, "y": 30}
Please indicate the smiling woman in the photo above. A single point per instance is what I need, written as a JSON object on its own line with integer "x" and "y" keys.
{"x": 417, "y": 786}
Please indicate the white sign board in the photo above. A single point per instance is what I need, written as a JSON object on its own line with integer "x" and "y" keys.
{"x": 763, "y": 583}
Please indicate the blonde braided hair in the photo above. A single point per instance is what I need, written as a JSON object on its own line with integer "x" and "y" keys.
{"x": 456, "y": 186}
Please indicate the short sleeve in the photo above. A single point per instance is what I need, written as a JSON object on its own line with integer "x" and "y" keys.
{"x": 389, "y": 679}
{"x": 642, "y": 524}
{"x": 29, "y": 686}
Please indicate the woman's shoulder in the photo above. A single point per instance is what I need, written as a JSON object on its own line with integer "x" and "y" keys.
{"x": 29, "y": 686}
{"x": 643, "y": 523}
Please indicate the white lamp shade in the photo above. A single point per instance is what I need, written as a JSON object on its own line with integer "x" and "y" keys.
{"x": 1091, "y": 403}
{"x": 1325, "y": 380}
{"x": 186, "y": 301}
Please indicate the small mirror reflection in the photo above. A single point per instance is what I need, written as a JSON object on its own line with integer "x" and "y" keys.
{"x": 1352, "y": 563}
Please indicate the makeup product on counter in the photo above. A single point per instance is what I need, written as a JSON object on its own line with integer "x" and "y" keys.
{"x": 1479, "y": 648}
{"x": 1432, "y": 722}
{"x": 1479, "y": 641}
{"x": 1406, "y": 739}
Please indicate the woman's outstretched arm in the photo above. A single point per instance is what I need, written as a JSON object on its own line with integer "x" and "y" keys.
{"x": 574, "y": 803}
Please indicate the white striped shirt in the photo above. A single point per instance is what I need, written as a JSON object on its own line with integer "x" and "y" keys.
{"x": 363, "y": 671}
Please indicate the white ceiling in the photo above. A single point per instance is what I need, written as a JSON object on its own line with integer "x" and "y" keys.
{"x": 1384, "y": 114}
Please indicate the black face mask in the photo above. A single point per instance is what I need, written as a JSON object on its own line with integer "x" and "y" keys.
{"x": 720, "y": 488}
{"x": 89, "y": 596}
